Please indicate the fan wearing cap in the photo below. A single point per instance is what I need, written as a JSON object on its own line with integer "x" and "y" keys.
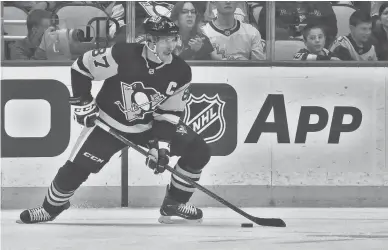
{"x": 143, "y": 96}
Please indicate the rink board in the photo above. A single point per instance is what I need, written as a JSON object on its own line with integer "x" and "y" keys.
{"x": 276, "y": 169}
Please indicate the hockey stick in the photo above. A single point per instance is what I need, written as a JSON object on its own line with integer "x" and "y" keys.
{"x": 270, "y": 222}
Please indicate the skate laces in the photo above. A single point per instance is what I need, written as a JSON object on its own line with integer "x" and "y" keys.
{"x": 39, "y": 214}
{"x": 187, "y": 209}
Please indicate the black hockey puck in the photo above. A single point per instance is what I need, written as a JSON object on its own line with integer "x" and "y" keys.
{"x": 246, "y": 225}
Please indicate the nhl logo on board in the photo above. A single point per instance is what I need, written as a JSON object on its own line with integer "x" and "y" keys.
{"x": 205, "y": 115}
{"x": 151, "y": 71}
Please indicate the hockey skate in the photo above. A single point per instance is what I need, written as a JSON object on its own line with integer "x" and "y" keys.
{"x": 171, "y": 208}
{"x": 39, "y": 214}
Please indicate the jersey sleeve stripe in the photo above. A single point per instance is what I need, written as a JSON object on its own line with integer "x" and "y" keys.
{"x": 167, "y": 117}
{"x": 76, "y": 66}
{"x": 175, "y": 102}
{"x": 171, "y": 112}
{"x": 81, "y": 65}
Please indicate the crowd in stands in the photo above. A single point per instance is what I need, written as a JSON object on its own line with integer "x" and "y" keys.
{"x": 220, "y": 30}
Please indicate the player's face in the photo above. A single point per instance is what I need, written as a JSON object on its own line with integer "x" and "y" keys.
{"x": 165, "y": 46}
{"x": 315, "y": 40}
{"x": 226, "y": 7}
{"x": 384, "y": 18}
{"x": 187, "y": 16}
{"x": 362, "y": 31}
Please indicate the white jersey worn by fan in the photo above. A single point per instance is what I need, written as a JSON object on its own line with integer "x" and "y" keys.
{"x": 242, "y": 42}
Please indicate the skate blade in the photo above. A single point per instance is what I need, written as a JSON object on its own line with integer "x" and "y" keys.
{"x": 177, "y": 220}
{"x": 21, "y": 222}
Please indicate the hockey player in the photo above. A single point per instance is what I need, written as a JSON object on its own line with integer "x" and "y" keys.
{"x": 143, "y": 97}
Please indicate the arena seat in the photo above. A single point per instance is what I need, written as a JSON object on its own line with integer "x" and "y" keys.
{"x": 256, "y": 12}
{"x": 286, "y": 49}
{"x": 343, "y": 13}
{"x": 18, "y": 30}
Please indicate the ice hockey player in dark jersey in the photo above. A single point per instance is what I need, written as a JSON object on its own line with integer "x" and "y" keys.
{"x": 314, "y": 38}
{"x": 356, "y": 46}
{"x": 143, "y": 96}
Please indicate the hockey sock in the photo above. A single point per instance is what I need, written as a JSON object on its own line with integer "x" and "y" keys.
{"x": 62, "y": 188}
{"x": 180, "y": 190}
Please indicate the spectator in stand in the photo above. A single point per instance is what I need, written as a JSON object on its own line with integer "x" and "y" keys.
{"x": 375, "y": 7}
{"x": 380, "y": 33}
{"x": 292, "y": 16}
{"x": 194, "y": 44}
{"x": 314, "y": 38}
{"x": 356, "y": 46}
{"x": 38, "y": 21}
{"x": 232, "y": 39}
{"x": 241, "y": 12}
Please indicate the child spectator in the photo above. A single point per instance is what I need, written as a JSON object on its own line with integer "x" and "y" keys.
{"x": 232, "y": 39}
{"x": 356, "y": 45}
{"x": 194, "y": 44}
{"x": 314, "y": 38}
{"x": 380, "y": 33}
{"x": 292, "y": 16}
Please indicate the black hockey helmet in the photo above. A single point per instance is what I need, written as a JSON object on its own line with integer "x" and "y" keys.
{"x": 160, "y": 26}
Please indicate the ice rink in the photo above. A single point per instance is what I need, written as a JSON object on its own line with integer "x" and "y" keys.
{"x": 130, "y": 229}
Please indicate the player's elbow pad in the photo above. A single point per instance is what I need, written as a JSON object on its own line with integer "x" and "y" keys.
{"x": 163, "y": 130}
{"x": 81, "y": 84}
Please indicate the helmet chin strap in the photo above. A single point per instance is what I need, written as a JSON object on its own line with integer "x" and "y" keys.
{"x": 154, "y": 52}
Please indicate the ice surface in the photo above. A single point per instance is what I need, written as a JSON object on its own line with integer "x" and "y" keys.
{"x": 131, "y": 229}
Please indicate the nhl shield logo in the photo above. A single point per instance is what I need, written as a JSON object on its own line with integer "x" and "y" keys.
{"x": 205, "y": 115}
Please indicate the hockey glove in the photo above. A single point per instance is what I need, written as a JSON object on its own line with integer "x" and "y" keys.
{"x": 158, "y": 156}
{"x": 85, "y": 110}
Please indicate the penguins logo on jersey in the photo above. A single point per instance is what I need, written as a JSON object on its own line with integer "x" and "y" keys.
{"x": 205, "y": 115}
{"x": 137, "y": 100}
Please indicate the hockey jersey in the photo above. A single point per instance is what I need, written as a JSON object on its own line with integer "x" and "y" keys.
{"x": 137, "y": 94}
{"x": 242, "y": 42}
{"x": 306, "y": 55}
{"x": 347, "y": 50}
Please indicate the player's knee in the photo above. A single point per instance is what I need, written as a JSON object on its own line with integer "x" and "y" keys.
{"x": 197, "y": 157}
{"x": 70, "y": 176}
{"x": 203, "y": 153}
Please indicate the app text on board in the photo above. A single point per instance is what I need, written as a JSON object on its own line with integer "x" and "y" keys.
{"x": 280, "y": 125}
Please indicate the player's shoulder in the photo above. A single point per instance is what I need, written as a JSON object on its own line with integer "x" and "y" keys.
{"x": 124, "y": 51}
{"x": 182, "y": 68}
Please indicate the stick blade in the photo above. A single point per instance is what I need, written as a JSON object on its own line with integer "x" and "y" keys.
{"x": 269, "y": 222}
